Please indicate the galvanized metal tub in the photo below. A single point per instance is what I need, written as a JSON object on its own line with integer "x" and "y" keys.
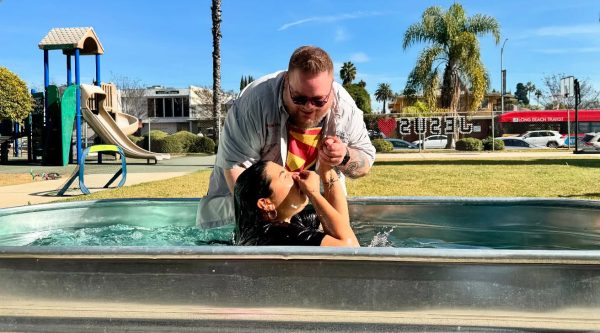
{"x": 307, "y": 289}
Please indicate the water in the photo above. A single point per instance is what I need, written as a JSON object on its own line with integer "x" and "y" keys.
{"x": 399, "y": 235}
{"x": 454, "y": 225}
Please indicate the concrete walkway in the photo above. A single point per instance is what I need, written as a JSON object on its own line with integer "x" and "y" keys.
{"x": 43, "y": 191}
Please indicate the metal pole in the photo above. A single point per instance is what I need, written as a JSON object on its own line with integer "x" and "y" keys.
{"x": 69, "y": 79}
{"x": 30, "y": 134}
{"x": 502, "y": 84}
{"x": 46, "y": 118}
{"x": 149, "y": 130}
{"x": 78, "y": 106}
{"x": 98, "y": 81}
{"x": 576, "y": 88}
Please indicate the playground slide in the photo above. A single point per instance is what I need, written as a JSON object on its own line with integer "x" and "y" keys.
{"x": 103, "y": 124}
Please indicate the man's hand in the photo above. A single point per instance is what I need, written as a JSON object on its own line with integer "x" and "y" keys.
{"x": 332, "y": 151}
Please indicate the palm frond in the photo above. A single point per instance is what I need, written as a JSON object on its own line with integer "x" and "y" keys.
{"x": 482, "y": 25}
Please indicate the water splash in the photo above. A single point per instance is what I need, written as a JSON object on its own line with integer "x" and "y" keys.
{"x": 381, "y": 239}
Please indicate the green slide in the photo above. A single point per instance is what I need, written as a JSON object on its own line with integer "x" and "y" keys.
{"x": 68, "y": 104}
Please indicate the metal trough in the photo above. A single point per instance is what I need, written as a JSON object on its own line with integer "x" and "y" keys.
{"x": 310, "y": 289}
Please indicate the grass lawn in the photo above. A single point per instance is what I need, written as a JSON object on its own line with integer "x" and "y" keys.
{"x": 518, "y": 177}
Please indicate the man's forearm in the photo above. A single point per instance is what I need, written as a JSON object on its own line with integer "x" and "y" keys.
{"x": 359, "y": 164}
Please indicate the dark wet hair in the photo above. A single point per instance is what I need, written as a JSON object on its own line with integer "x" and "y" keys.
{"x": 251, "y": 185}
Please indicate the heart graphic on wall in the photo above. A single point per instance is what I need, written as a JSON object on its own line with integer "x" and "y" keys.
{"x": 387, "y": 126}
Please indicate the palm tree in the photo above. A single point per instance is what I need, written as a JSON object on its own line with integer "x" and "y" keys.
{"x": 383, "y": 94}
{"x": 529, "y": 87}
{"x": 538, "y": 95}
{"x": 452, "y": 43}
{"x": 347, "y": 73}
{"x": 216, "y": 32}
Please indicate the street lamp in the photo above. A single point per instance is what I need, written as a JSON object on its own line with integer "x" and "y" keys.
{"x": 502, "y": 75}
{"x": 502, "y": 91}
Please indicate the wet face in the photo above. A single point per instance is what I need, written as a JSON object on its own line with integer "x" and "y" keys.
{"x": 287, "y": 198}
{"x": 307, "y": 97}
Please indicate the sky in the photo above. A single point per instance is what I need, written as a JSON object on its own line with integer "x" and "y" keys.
{"x": 169, "y": 43}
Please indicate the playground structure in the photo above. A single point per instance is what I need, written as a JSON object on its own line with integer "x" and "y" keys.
{"x": 49, "y": 129}
{"x": 80, "y": 171}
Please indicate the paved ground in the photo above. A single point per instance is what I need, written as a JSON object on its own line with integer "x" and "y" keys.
{"x": 42, "y": 191}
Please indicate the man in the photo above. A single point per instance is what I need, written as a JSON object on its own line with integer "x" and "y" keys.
{"x": 293, "y": 118}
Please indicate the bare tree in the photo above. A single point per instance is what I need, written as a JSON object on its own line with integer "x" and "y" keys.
{"x": 216, "y": 32}
{"x": 590, "y": 97}
{"x": 133, "y": 97}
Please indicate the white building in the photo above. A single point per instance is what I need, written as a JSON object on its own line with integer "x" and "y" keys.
{"x": 180, "y": 109}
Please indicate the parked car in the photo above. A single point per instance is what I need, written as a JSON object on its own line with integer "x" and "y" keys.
{"x": 433, "y": 141}
{"x": 590, "y": 141}
{"x": 375, "y": 134}
{"x": 400, "y": 144}
{"x": 551, "y": 139}
{"x": 514, "y": 142}
{"x": 570, "y": 141}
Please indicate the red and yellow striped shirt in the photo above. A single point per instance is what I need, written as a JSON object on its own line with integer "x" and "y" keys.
{"x": 302, "y": 148}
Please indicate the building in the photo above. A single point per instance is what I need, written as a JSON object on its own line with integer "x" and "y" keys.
{"x": 174, "y": 109}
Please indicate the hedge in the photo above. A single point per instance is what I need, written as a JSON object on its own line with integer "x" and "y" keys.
{"x": 469, "y": 144}
{"x": 498, "y": 144}
{"x": 203, "y": 144}
{"x": 382, "y": 146}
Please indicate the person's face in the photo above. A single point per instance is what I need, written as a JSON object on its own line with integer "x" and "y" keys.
{"x": 308, "y": 97}
{"x": 287, "y": 198}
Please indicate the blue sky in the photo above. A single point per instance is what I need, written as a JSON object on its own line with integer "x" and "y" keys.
{"x": 170, "y": 43}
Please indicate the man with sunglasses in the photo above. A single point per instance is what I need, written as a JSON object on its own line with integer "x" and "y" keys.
{"x": 295, "y": 118}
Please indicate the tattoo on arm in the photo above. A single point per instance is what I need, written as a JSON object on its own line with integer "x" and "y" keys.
{"x": 358, "y": 165}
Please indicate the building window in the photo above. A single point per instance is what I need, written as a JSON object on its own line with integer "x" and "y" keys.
{"x": 168, "y": 107}
{"x": 151, "y": 111}
{"x": 160, "y": 107}
{"x": 177, "y": 107}
{"x": 186, "y": 107}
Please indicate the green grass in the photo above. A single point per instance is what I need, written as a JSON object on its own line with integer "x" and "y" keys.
{"x": 518, "y": 177}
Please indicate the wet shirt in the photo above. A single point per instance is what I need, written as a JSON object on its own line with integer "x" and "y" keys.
{"x": 303, "y": 229}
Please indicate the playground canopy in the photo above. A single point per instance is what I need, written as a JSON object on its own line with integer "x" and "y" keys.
{"x": 69, "y": 39}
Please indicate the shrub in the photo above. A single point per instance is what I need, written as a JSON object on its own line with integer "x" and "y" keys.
{"x": 203, "y": 145}
{"x": 169, "y": 144}
{"x": 154, "y": 136}
{"x": 469, "y": 144}
{"x": 487, "y": 144}
{"x": 382, "y": 146}
{"x": 187, "y": 140}
{"x": 136, "y": 139}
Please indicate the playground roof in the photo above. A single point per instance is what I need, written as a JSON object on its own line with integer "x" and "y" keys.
{"x": 69, "y": 39}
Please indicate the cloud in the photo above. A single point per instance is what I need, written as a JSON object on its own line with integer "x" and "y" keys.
{"x": 359, "y": 57}
{"x": 569, "y": 50}
{"x": 329, "y": 19}
{"x": 341, "y": 35}
{"x": 567, "y": 30}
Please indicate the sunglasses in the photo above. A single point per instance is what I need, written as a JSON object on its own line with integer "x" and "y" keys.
{"x": 302, "y": 100}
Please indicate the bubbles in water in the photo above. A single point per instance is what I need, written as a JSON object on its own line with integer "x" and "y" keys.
{"x": 382, "y": 239}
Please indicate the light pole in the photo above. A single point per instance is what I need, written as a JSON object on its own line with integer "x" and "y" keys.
{"x": 502, "y": 75}
{"x": 502, "y": 88}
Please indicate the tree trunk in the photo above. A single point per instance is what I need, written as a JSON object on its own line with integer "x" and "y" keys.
{"x": 216, "y": 32}
{"x": 450, "y": 97}
{"x": 384, "y": 110}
